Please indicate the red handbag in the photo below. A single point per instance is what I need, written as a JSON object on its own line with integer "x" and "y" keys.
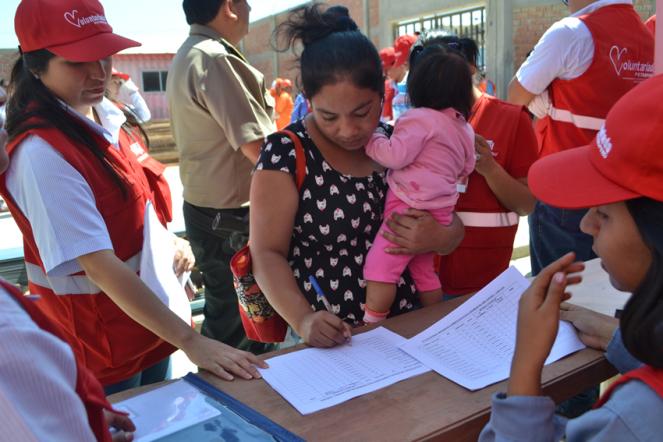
{"x": 261, "y": 322}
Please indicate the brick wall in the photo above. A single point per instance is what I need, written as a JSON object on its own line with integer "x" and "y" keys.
{"x": 529, "y": 23}
{"x": 7, "y": 60}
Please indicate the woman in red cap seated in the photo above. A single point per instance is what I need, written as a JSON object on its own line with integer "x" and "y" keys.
{"x": 80, "y": 197}
{"x": 620, "y": 177}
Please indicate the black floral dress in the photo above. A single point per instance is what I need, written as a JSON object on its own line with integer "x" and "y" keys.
{"x": 337, "y": 219}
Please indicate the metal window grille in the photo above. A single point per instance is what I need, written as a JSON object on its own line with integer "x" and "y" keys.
{"x": 154, "y": 81}
{"x": 468, "y": 23}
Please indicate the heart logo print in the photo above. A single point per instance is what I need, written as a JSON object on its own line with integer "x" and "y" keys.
{"x": 71, "y": 18}
{"x": 615, "y": 56}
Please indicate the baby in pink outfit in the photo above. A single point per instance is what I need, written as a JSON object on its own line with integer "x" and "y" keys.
{"x": 431, "y": 149}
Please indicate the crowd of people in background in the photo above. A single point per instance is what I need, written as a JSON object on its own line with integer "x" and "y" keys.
{"x": 414, "y": 179}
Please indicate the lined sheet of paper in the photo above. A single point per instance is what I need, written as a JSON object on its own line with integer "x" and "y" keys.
{"x": 156, "y": 265}
{"x": 314, "y": 378}
{"x": 474, "y": 344}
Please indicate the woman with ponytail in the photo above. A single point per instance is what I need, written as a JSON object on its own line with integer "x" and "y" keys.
{"x": 321, "y": 232}
{"x": 80, "y": 197}
{"x": 620, "y": 178}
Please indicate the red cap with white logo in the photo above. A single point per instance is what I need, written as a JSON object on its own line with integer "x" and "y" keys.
{"x": 76, "y": 30}
{"x": 623, "y": 162}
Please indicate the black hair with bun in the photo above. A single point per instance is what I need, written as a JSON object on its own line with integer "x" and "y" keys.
{"x": 334, "y": 49}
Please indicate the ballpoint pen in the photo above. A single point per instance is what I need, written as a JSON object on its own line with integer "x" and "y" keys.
{"x": 320, "y": 294}
{"x": 321, "y": 297}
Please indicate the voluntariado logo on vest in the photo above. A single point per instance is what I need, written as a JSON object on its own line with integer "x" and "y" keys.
{"x": 622, "y": 64}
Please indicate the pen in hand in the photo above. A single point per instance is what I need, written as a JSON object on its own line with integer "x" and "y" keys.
{"x": 321, "y": 297}
{"x": 320, "y": 294}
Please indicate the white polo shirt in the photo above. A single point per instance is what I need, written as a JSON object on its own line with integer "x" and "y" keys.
{"x": 565, "y": 51}
{"x": 57, "y": 200}
{"x": 38, "y": 399}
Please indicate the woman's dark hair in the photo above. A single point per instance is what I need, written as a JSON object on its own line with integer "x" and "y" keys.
{"x": 439, "y": 79}
{"x": 465, "y": 46}
{"x": 641, "y": 322}
{"x": 334, "y": 49}
{"x": 31, "y": 105}
{"x": 201, "y": 12}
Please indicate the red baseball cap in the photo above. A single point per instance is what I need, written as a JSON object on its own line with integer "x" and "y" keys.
{"x": 388, "y": 57}
{"x": 402, "y": 47}
{"x": 623, "y": 162}
{"x": 118, "y": 74}
{"x": 76, "y": 30}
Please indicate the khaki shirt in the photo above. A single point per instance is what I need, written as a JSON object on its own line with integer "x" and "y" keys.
{"x": 218, "y": 102}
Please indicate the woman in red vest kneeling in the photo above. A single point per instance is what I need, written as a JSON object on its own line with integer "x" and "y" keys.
{"x": 80, "y": 197}
{"x": 620, "y": 176}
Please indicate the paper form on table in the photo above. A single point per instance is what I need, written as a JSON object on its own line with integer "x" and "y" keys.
{"x": 474, "y": 344}
{"x": 316, "y": 378}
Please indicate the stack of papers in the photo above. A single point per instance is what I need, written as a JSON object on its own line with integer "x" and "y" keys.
{"x": 472, "y": 346}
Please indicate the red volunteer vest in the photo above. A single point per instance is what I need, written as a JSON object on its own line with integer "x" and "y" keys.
{"x": 650, "y": 24}
{"x": 490, "y": 228}
{"x": 623, "y": 57}
{"x": 389, "y": 94}
{"x": 87, "y": 387}
{"x": 651, "y": 376}
{"x": 154, "y": 171}
{"x": 111, "y": 344}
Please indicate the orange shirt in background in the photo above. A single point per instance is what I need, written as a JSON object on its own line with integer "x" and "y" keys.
{"x": 283, "y": 109}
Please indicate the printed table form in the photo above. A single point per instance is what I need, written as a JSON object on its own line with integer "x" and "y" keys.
{"x": 474, "y": 344}
{"x": 314, "y": 379}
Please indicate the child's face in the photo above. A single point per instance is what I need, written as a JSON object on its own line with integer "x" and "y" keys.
{"x": 617, "y": 241}
{"x": 345, "y": 114}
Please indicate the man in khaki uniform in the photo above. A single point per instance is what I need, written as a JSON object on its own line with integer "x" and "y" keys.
{"x": 220, "y": 113}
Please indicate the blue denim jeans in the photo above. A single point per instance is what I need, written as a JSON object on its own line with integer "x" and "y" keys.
{"x": 554, "y": 232}
{"x": 151, "y": 375}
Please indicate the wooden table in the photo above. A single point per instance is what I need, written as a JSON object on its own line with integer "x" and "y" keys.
{"x": 426, "y": 407}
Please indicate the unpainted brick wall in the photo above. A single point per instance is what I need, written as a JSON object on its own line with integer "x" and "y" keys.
{"x": 7, "y": 60}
